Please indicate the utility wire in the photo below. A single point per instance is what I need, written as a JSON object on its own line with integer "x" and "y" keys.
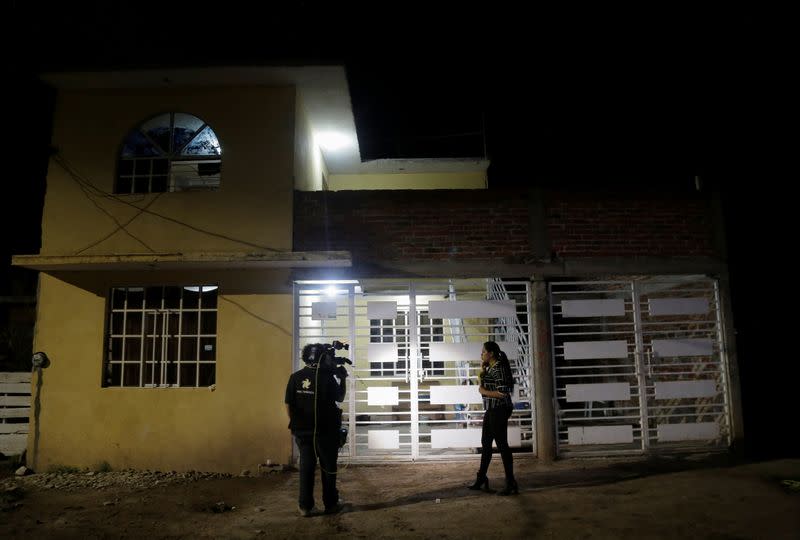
{"x": 120, "y": 226}
{"x": 262, "y": 319}
{"x": 100, "y": 193}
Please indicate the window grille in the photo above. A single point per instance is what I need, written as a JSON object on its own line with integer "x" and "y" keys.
{"x": 397, "y": 331}
{"x": 161, "y": 336}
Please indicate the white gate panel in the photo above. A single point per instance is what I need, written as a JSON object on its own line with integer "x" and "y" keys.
{"x": 659, "y": 369}
{"x": 385, "y": 439}
{"x": 683, "y": 347}
{"x": 382, "y": 352}
{"x": 469, "y": 309}
{"x": 469, "y": 438}
{"x": 704, "y": 388}
{"x": 383, "y": 395}
{"x": 381, "y": 310}
{"x": 582, "y": 350}
{"x": 456, "y": 438}
{"x": 613, "y": 307}
{"x": 599, "y": 392}
{"x": 412, "y": 391}
{"x": 466, "y": 352}
{"x": 688, "y": 432}
{"x": 678, "y": 306}
{"x": 581, "y": 435}
{"x": 684, "y": 362}
{"x": 453, "y": 394}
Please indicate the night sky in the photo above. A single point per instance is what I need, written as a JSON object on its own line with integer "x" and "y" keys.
{"x": 585, "y": 99}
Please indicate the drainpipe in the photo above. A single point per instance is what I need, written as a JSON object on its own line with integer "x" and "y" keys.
{"x": 543, "y": 373}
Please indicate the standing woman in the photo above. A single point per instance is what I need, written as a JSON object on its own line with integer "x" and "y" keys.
{"x": 496, "y": 386}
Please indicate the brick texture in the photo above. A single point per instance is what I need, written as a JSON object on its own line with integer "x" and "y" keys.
{"x": 495, "y": 224}
{"x": 629, "y": 224}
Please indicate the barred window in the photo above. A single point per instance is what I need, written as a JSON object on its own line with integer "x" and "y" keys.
{"x": 390, "y": 331}
{"x": 161, "y": 336}
{"x": 396, "y": 331}
{"x": 430, "y": 330}
{"x": 169, "y": 152}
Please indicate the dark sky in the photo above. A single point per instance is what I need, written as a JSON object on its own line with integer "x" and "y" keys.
{"x": 618, "y": 94}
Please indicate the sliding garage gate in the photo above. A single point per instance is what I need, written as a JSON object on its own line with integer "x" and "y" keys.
{"x": 639, "y": 365}
{"x": 415, "y": 347}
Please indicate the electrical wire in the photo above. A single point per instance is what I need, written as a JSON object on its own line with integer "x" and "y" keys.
{"x": 86, "y": 192}
{"x": 262, "y": 319}
{"x": 120, "y": 226}
{"x": 58, "y": 158}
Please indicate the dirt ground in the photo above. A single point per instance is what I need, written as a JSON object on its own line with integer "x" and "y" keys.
{"x": 706, "y": 497}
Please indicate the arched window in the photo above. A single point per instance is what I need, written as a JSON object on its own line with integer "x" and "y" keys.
{"x": 169, "y": 152}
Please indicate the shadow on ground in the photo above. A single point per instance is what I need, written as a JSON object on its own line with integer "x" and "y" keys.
{"x": 591, "y": 475}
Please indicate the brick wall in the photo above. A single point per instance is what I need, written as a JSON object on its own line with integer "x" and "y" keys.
{"x": 629, "y": 224}
{"x": 494, "y": 224}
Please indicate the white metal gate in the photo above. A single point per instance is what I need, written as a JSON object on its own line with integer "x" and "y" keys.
{"x": 415, "y": 347}
{"x": 639, "y": 365}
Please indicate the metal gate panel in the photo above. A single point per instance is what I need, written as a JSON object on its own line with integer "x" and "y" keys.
{"x": 462, "y": 315}
{"x": 415, "y": 361}
{"x": 596, "y": 379}
{"x": 382, "y": 390}
{"x": 638, "y": 365}
{"x": 684, "y": 363}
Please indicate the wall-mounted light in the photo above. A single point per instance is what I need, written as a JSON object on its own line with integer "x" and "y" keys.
{"x": 333, "y": 140}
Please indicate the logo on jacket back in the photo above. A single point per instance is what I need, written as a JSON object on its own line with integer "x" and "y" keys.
{"x": 306, "y": 384}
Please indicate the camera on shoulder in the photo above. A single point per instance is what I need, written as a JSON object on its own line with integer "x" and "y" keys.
{"x": 328, "y": 359}
{"x": 324, "y": 355}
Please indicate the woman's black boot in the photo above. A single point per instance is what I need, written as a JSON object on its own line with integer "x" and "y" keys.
{"x": 481, "y": 482}
{"x": 510, "y": 489}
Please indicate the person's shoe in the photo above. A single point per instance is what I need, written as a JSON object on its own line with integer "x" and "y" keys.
{"x": 335, "y": 509}
{"x": 481, "y": 483}
{"x": 305, "y": 512}
{"x": 511, "y": 489}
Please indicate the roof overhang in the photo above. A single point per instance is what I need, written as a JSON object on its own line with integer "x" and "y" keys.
{"x": 184, "y": 261}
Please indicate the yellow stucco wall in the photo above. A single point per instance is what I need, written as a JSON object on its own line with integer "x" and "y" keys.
{"x": 241, "y": 422}
{"x": 238, "y": 425}
{"x": 472, "y": 180}
{"x": 309, "y": 165}
{"x": 255, "y": 126}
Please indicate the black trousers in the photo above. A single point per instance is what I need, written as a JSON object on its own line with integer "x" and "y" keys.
{"x": 327, "y": 448}
{"x": 495, "y": 425}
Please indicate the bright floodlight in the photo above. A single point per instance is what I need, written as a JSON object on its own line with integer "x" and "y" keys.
{"x": 331, "y": 291}
{"x": 333, "y": 140}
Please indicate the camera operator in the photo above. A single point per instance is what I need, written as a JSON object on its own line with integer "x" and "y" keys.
{"x": 315, "y": 421}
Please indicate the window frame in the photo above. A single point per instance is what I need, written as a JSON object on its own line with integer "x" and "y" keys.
{"x": 165, "y": 166}
{"x": 150, "y": 343}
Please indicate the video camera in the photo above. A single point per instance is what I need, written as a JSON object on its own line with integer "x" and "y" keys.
{"x": 325, "y": 355}
{"x": 328, "y": 358}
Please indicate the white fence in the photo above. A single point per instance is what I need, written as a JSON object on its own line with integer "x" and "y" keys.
{"x": 15, "y": 410}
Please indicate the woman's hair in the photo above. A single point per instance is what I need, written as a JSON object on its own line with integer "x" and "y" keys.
{"x": 494, "y": 348}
